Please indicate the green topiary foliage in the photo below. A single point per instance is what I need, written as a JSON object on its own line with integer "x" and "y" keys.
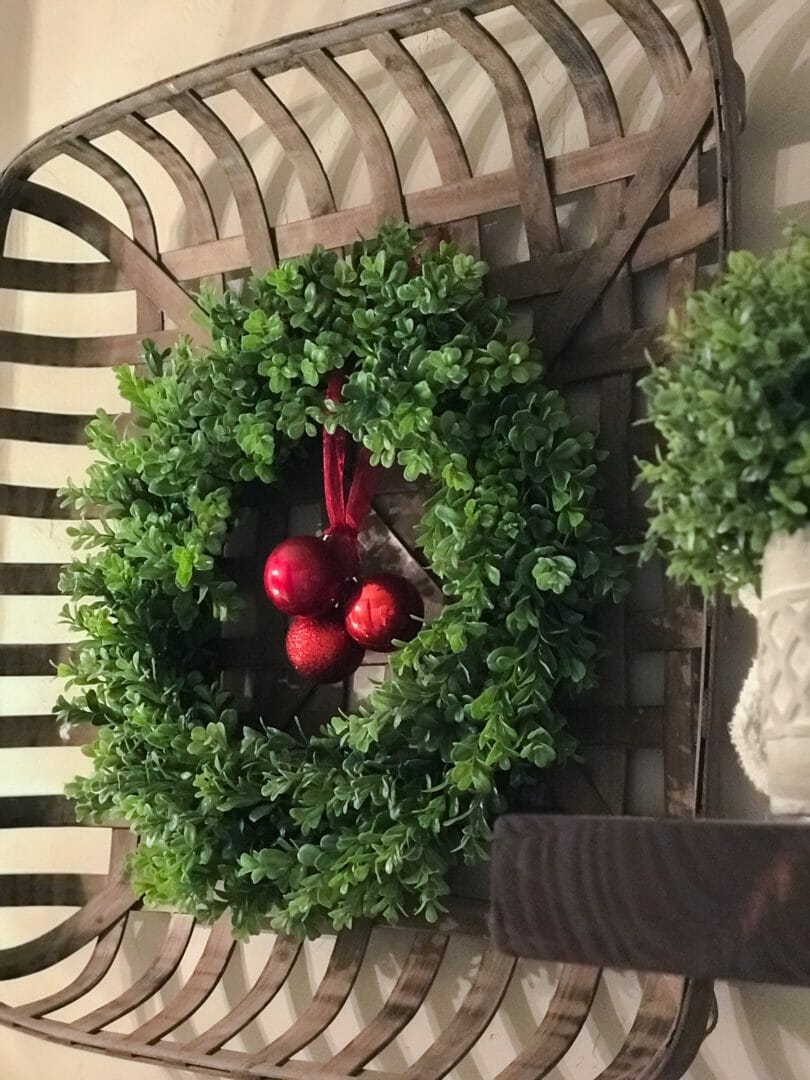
{"x": 364, "y": 819}
{"x": 733, "y": 411}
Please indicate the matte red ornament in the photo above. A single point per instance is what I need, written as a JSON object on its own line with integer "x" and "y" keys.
{"x": 303, "y": 577}
{"x": 382, "y": 609}
{"x": 320, "y": 649}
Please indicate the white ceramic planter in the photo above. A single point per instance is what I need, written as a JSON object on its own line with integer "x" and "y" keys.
{"x": 784, "y": 670}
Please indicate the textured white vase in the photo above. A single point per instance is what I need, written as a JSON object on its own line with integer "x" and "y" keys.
{"x": 784, "y": 668}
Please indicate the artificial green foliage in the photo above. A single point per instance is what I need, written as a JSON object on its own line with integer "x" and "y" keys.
{"x": 733, "y": 411}
{"x": 364, "y": 819}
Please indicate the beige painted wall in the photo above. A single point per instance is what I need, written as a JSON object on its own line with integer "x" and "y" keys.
{"x": 60, "y": 57}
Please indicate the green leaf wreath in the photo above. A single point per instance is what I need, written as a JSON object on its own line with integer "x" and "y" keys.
{"x": 364, "y": 819}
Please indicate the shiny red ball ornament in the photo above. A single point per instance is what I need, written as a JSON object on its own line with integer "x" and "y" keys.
{"x": 303, "y": 577}
{"x": 382, "y": 609}
{"x": 320, "y": 649}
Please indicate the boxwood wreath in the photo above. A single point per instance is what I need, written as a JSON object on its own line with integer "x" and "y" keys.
{"x": 364, "y": 819}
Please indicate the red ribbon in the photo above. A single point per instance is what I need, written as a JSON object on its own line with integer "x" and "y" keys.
{"x": 345, "y": 514}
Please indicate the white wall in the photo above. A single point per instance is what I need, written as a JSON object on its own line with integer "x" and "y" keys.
{"x": 61, "y": 57}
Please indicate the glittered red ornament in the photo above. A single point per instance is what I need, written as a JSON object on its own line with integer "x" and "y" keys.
{"x": 303, "y": 577}
{"x": 320, "y": 649}
{"x": 382, "y": 609}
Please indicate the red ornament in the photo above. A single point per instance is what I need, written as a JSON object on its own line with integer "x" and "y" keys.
{"x": 382, "y": 609}
{"x": 320, "y": 649}
{"x": 302, "y": 576}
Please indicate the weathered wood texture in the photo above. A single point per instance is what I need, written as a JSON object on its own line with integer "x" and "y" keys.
{"x": 734, "y": 896}
{"x": 660, "y": 200}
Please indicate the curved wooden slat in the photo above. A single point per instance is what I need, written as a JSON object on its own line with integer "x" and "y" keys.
{"x": 22, "y": 731}
{"x": 201, "y": 984}
{"x": 471, "y": 1020}
{"x": 107, "y": 944}
{"x": 103, "y": 956}
{"x": 659, "y": 39}
{"x": 670, "y": 64}
{"x": 297, "y": 147}
{"x": 567, "y": 1012}
{"x": 528, "y": 157}
{"x": 670, "y": 1025}
{"x": 600, "y": 113}
{"x": 696, "y": 1020}
{"x": 415, "y": 980}
{"x": 29, "y": 579}
{"x": 330, "y": 997}
{"x": 32, "y": 659}
{"x": 729, "y": 117}
{"x": 683, "y": 124}
{"x": 367, "y": 126}
{"x": 198, "y": 212}
{"x": 245, "y": 187}
{"x": 43, "y": 427}
{"x": 95, "y": 918}
{"x": 434, "y": 120}
{"x": 278, "y": 967}
{"x": 36, "y": 811}
{"x": 200, "y": 216}
{"x": 42, "y": 349}
{"x": 144, "y": 232}
{"x": 36, "y": 275}
{"x": 589, "y": 80}
{"x": 167, "y": 959}
{"x": 142, "y": 271}
{"x": 19, "y": 500}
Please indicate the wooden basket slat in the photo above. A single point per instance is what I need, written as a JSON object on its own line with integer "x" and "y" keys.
{"x": 200, "y": 985}
{"x": 526, "y": 141}
{"x": 415, "y": 980}
{"x": 35, "y": 811}
{"x": 146, "y": 274}
{"x": 566, "y": 1014}
{"x": 139, "y": 211}
{"x": 237, "y": 168}
{"x": 332, "y": 993}
{"x": 269, "y": 983}
{"x": 197, "y": 205}
{"x": 93, "y": 352}
{"x": 167, "y": 959}
{"x": 32, "y": 659}
{"x": 433, "y": 115}
{"x": 297, "y": 148}
{"x": 102, "y": 959}
{"x": 470, "y": 1021}
{"x": 386, "y": 190}
{"x": 26, "y": 731}
{"x": 21, "y": 500}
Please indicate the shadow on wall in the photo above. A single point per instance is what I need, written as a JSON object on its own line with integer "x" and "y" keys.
{"x": 775, "y": 147}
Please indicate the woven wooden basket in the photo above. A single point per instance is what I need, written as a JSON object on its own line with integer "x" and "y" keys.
{"x": 594, "y": 167}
